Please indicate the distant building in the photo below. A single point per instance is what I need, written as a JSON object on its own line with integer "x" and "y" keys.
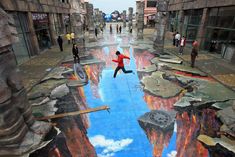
{"x": 37, "y": 21}
{"x": 211, "y": 22}
{"x": 149, "y": 12}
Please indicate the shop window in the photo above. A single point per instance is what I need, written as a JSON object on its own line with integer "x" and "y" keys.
{"x": 226, "y": 16}
{"x": 195, "y": 17}
{"x": 23, "y": 48}
{"x": 151, "y": 4}
{"x": 191, "y": 33}
{"x": 212, "y": 19}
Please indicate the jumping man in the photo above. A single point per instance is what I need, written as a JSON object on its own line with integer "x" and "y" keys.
{"x": 120, "y": 64}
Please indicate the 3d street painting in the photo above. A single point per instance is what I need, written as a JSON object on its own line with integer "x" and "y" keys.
{"x": 164, "y": 109}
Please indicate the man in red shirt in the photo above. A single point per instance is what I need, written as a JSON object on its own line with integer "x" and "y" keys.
{"x": 120, "y": 64}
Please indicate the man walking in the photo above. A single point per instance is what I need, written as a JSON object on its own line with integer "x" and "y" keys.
{"x": 75, "y": 54}
{"x": 111, "y": 29}
{"x": 96, "y": 32}
{"x": 117, "y": 28}
{"x": 120, "y": 29}
{"x": 120, "y": 64}
{"x": 177, "y": 39}
{"x": 182, "y": 45}
{"x": 60, "y": 42}
{"x": 194, "y": 53}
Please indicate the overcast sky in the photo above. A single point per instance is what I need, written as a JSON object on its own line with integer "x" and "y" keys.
{"x": 108, "y": 6}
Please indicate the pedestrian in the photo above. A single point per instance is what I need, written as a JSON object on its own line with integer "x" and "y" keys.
{"x": 68, "y": 37}
{"x": 120, "y": 64}
{"x": 194, "y": 53}
{"x": 111, "y": 28}
{"x": 177, "y": 39}
{"x": 96, "y": 32}
{"x": 60, "y": 42}
{"x": 75, "y": 54}
{"x": 101, "y": 28}
{"x": 182, "y": 45}
{"x": 120, "y": 29}
{"x": 117, "y": 28}
{"x": 174, "y": 33}
{"x": 130, "y": 29}
{"x": 72, "y": 37}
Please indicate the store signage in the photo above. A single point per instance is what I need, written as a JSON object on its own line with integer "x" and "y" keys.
{"x": 40, "y": 18}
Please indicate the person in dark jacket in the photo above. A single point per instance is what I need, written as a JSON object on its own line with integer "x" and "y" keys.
{"x": 117, "y": 28}
{"x": 120, "y": 64}
{"x": 194, "y": 53}
{"x": 75, "y": 54}
{"x": 111, "y": 29}
{"x": 60, "y": 42}
{"x": 120, "y": 29}
{"x": 96, "y": 32}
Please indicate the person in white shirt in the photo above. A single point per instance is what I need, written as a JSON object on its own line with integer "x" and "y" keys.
{"x": 177, "y": 39}
{"x": 182, "y": 45}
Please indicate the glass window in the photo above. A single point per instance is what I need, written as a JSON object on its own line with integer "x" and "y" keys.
{"x": 20, "y": 50}
{"x": 191, "y": 33}
{"x": 151, "y": 4}
{"x": 212, "y": 19}
{"x": 195, "y": 17}
{"x": 226, "y": 16}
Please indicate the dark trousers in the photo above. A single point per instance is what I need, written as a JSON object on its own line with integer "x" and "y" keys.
{"x": 193, "y": 58}
{"x": 177, "y": 42}
{"x": 76, "y": 59}
{"x": 181, "y": 49}
{"x": 123, "y": 69}
{"x": 61, "y": 47}
{"x": 73, "y": 41}
{"x": 174, "y": 42}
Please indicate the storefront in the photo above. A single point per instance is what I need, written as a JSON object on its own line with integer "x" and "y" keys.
{"x": 23, "y": 48}
{"x": 41, "y": 26}
{"x": 192, "y": 21}
{"x": 220, "y": 30}
{"x": 173, "y": 21}
{"x": 58, "y": 24}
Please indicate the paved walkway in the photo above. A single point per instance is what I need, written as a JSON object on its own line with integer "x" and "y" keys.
{"x": 212, "y": 64}
{"x": 39, "y": 66}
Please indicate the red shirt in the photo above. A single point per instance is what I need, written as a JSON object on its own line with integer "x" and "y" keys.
{"x": 120, "y": 60}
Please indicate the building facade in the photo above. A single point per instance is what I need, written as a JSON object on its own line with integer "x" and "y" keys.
{"x": 149, "y": 12}
{"x": 39, "y": 21}
{"x": 211, "y": 22}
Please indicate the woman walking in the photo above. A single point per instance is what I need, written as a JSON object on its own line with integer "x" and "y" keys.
{"x": 75, "y": 54}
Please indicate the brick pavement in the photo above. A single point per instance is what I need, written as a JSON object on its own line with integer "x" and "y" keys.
{"x": 37, "y": 67}
{"x": 212, "y": 64}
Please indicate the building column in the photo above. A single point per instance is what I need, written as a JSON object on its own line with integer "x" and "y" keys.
{"x": 130, "y": 16}
{"x": 140, "y": 18}
{"x": 52, "y": 29}
{"x": 201, "y": 31}
{"x": 181, "y": 22}
{"x": 161, "y": 24}
{"x": 91, "y": 22}
{"x": 17, "y": 121}
{"x": 76, "y": 24}
{"x": 35, "y": 44}
{"x": 124, "y": 18}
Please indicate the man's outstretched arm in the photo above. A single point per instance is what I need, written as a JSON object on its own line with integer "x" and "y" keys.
{"x": 115, "y": 60}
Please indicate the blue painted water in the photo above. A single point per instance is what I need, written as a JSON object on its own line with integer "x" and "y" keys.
{"x": 118, "y": 134}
